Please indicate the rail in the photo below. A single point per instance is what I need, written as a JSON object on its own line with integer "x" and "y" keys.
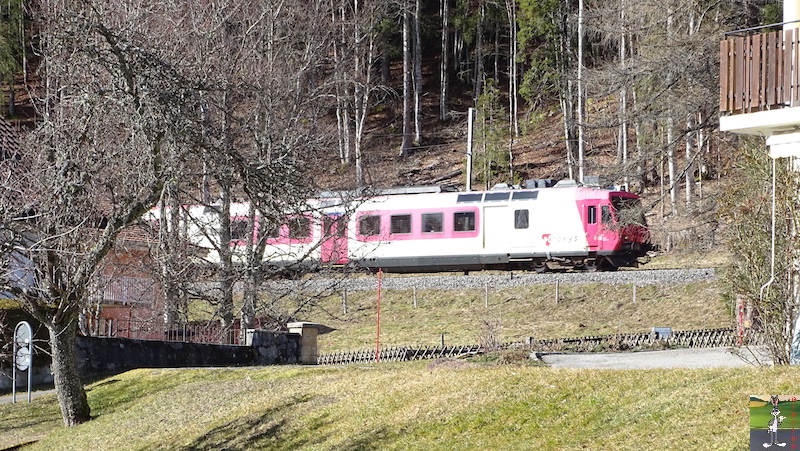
{"x": 759, "y": 72}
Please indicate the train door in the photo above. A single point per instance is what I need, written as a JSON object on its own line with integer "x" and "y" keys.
{"x": 599, "y": 223}
{"x": 334, "y": 233}
{"x": 592, "y": 213}
{"x": 496, "y": 223}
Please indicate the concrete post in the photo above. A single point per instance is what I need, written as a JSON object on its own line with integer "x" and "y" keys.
{"x": 308, "y": 340}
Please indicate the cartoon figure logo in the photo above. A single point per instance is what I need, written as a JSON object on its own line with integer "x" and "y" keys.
{"x": 774, "y": 422}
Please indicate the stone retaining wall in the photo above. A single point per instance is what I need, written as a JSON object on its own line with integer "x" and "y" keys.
{"x": 99, "y": 356}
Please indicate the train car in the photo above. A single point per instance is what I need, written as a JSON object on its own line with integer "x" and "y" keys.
{"x": 529, "y": 229}
{"x": 507, "y": 229}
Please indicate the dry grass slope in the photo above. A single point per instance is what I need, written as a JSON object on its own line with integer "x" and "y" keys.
{"x": 517, "y": 313}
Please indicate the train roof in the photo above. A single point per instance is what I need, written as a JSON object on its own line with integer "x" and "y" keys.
{"x": 530, "y": 185}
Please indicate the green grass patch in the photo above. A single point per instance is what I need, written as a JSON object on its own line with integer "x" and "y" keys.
{"x": 416, "y": 406}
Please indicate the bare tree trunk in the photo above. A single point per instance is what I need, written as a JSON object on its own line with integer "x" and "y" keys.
{"x": 513, "y": 78}
{"x": 690, "y": 147}
{"x": 417, "y": 74}
{"x": 672, "y": 164}
{"x": 641, "y": 161}
{"x": 252, "y": 279}
{"x": 701, "y": 147}
{"x": 365, "y": 51}
{"x": 478, "y": 78}
{"x": 226, "y": 276}
{"x": 342, "y": 91}
{"x": 496, "y": 74}
{"x": 407, "y": 82}
{"x": 581, "y": 100}
{"x": 169, "y": 243}
{"x": 69, "y": 389}
{"x": 622, "y": 142}
{"x": 444, "y": 11}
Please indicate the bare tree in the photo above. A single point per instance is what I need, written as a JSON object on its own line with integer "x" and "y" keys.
{"x": 355, "y": 57}
{"x": 96, "y": 162}
{"x": 130, "y": 93}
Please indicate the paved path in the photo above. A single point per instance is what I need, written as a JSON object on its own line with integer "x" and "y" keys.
{"x": 675, "y": 358}
{"x": 22, "y": 396}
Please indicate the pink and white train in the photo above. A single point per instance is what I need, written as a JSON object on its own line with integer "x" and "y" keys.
{"x": 506, "y": 229}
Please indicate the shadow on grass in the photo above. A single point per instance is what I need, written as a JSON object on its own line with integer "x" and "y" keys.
{"x": 269, "y": 429}
{"x": 280, "y": 428}
{"x": 26, "y": 422}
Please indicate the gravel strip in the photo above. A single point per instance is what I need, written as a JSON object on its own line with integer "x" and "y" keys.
{"x": 675, "y": 358}
{"x": 479, "y": 280}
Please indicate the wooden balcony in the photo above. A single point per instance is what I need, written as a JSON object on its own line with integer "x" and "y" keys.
{"x": 759, "y": 72}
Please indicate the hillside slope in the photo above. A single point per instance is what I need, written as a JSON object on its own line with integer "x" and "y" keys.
{"x": 422, "y": 405}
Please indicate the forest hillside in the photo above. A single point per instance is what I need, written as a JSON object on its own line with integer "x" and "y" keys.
{"x": 620, "y": 90}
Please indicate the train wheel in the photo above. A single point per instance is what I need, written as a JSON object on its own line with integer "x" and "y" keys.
{"x": 540, "y": 267}
{"x": 591, "y": 265}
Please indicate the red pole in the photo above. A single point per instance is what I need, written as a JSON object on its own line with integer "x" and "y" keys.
{"x": 378, "y": 320}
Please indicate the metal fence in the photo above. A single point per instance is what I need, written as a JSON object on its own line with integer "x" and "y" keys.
{"x": 154, "y": 330}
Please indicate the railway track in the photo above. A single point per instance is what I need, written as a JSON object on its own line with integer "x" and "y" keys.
{"x": 509, "y": 279}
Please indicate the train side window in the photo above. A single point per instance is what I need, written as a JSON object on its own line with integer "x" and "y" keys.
{"x": 299, "y": 227}
{"x": 495, "y": 197}
{"x": 591, "y": 215}
{"x": 432, "y": 222}
{"x": 400, "y": 224}
{"x": 469, "y": 198}
{"x": 238, "y": 229}
{"x": 606, "y": 216}
{"x": 464, "y": 221}
{"x": 369, "y": 225}
{"x": 525, "y": 195}
{"x": 273, "y": 231}
{"x": 520, "y": 219}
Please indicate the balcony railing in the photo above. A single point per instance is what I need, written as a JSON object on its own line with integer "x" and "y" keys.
{"x": 759, "y": 72}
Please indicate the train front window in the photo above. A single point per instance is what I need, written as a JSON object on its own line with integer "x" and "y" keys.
{"x": 432, "y": 223}
{"x": 464, "y": 221}
{"x": 400, "y": 224}
{"x": 369, "y": 225}
{"x": 605, "y": 215}
{"x": 629, "y": 210}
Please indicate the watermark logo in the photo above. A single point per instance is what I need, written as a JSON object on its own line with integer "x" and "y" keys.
{"x": 774, "y": 421}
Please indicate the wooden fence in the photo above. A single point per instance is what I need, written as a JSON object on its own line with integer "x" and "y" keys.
{"x": 398, "y": 354}
{"x": 703, "y": 338}
{"x": 759, "y": 72}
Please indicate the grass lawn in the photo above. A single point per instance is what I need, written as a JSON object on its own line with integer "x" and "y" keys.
{"x": 418, "y": 405}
